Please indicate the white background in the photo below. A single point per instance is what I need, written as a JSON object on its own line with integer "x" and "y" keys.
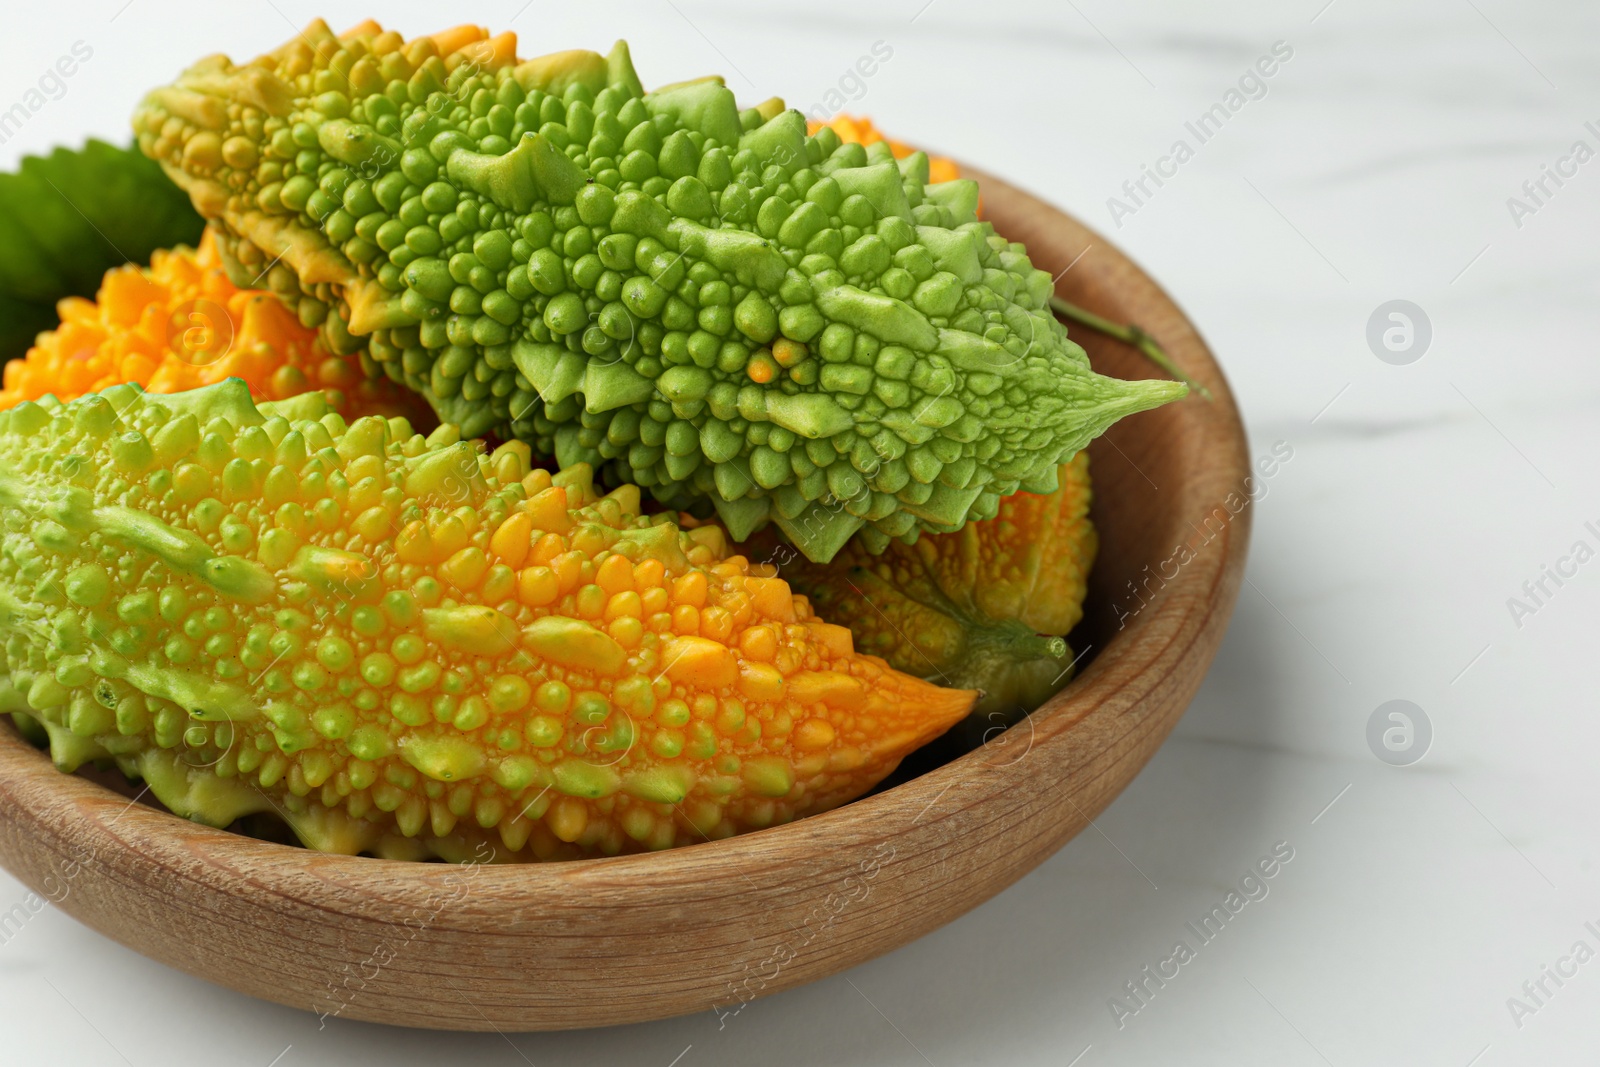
{"x": 1418, "y": 500}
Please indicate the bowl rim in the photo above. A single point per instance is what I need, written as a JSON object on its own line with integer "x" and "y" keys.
{"x": 1134, "y": 689}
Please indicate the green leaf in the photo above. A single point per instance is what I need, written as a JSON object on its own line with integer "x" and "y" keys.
{"x": 67, "y": 218}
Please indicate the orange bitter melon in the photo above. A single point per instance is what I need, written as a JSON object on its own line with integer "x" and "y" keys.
{"x": 406, "y": 646}
{"x": 179, "y": 324}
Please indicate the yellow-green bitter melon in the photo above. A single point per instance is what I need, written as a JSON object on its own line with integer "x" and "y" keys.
{"x": 410, "y": 646}
{"x": 702, "y": 300}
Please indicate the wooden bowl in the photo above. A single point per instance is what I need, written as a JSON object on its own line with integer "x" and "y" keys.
{"x": 598, "y": 942}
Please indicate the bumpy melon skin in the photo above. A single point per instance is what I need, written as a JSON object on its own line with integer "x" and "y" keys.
{"x": 180, "y": 323}
{"x": 859, "y": 129}
{"x": 986, "y": 608}
{"x": 707, "y": 302}
{"x": 409, "y": 647}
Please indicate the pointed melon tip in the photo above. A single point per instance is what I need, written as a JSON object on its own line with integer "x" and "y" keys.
{"x": 1123, "y": 397}
{"x": 1154, "y": 392}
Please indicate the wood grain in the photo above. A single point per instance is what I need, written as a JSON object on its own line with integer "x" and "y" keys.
{"x": 620, "y": 940}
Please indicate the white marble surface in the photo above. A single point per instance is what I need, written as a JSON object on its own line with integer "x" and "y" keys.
{"x": 1419, "y": 499}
